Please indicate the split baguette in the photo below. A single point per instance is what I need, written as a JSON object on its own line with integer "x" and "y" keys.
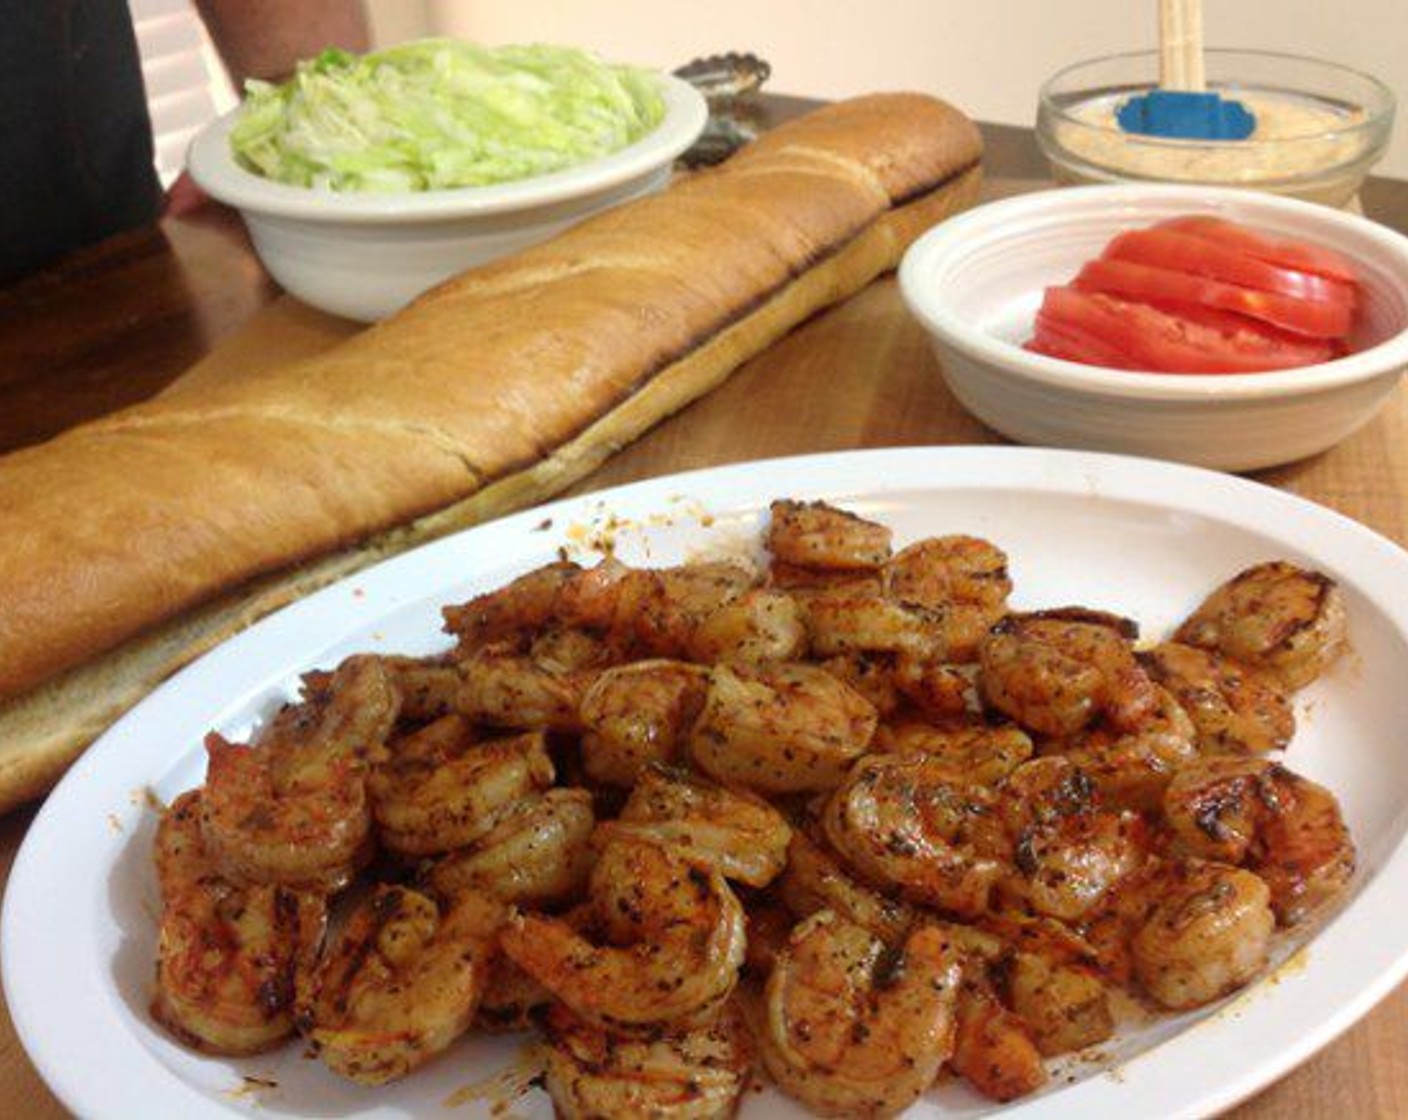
{"x": 134, "y": 543}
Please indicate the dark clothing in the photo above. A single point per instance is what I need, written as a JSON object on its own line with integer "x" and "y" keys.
{"x": 76, "y": 159}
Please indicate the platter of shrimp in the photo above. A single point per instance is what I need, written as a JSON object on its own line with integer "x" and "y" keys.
{"x": 925, "y": 782}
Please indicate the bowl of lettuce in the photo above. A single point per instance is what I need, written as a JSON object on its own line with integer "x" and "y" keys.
{"x": 365, "y": 180}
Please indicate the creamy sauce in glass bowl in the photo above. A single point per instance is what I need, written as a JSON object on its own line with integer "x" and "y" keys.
{"x": 1293, "y": 136}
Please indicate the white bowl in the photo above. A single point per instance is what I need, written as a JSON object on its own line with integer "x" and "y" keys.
{"x": 365, "y": 255}
{"x": 976, "y": 281}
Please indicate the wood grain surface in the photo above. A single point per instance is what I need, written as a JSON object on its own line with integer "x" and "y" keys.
{"x": 118, "y": 322}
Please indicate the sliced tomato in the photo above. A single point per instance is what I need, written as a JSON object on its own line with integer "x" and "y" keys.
{"x": 1297, "y": 255}
{"x": 1183, "y": 252}
{"x": 1165, "y": 286}
{"x": 1207, "y": 341}
{"x": 1059, "y": 340}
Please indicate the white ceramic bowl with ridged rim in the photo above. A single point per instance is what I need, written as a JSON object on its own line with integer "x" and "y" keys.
{"x": 975, "y": 283}
{"x": 365, "y": 255}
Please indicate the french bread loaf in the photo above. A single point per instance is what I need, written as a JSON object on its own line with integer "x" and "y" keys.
{"x": 135, "y": 542}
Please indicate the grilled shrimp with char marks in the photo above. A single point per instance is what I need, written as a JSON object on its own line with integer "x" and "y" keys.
{"x": 1276, "y": 616}
{"x": 401, "y": 983}
{"x": 815, "y": 879}
{"x": 698, "y": 1073}
{"x": 780, "y": 729}
{"x": 228, "y": 952}
{"x": 504, "y": 688}
{"x": 671, "y": 941}
{"x": 1058, "y": 671}
{"x": 1258, "y": 814}
{"x": 817, "y": 535}
{"x": 909, "y": 823}
{"x": 853, "y": 1028}
{"x": 978, "y": 752}
{"x": 292, "y": 809}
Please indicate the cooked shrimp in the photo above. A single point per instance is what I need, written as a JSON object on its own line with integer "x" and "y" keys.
{"x": 1235, "y": 709}
{"x": 980, "y": 753}
{"x": 841, "y": 622}
{"x": 737, "y": 833}
{"x": 1132, "y": 768}
{"x": 909, "y": 823}
{"x": 758, "y": 626}
{"x": 854, "y": 1029}
{"x": 227, "y": 951}
{"x": 563, "y": 650}
{"x": 1206, "y": 934}
{"x": 993, "y": 1048}
{"x": 769, "y": 926}
{"x": 964, "y": 577}
{"x": 507, "y": 689}
{"x": 870, "y": 674}
{"x": 938, "y": 690}
{"x": 780, "y": 728}
{"x": 292, "y": 809}
{"x": 427, "y": 686}
{"x": 699, "y": 1073}
{"x": 636, "y": 715}
{"x": 537, "y": 854}
{"x": 1058, "y": 671}
{"x": 1256, "y": 813}
{"x": 1275, "y": 616}
{"x": 1069, "y": 853}
{"x": 673, "y": 941}
{"x": 817, "y": 535}
{"x": 524, "y": 604}
{"x": 401, "y": 983}
{"x": 512, "y": 1000}
{"x": 814, "y": 879}
{"x": 439, "y": 789}
{"x": 1065, "y": 1008}
{"x": 803, "y": 583}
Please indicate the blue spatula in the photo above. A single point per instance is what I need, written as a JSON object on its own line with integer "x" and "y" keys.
{"x": 1182, "y": 108}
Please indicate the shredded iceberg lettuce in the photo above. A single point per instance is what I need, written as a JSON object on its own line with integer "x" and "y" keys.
{"x": 439, "y": 113}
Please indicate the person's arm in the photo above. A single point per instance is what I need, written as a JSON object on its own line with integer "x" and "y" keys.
{"x": 264, "y": 38}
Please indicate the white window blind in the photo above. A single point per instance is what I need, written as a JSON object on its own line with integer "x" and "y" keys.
{"x": 186, "y": 84}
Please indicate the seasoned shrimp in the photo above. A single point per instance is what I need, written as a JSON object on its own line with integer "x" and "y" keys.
{"x": 993, "y": 1048}
{"x": 292, "y": 809}
{"x": 1275, "y": 616}
{"x": 699, "y": 1073}
{"x": 737, "y": 833}
{"x": 964, "y": 577}
{"x": 1132, "y": 768}
{"x": 1065, "y": 1008}
{"x": 526, "y": 603}
{"x": 672, "y": 941}
{"x": 978, "y": 752}
{"x": 870, "y": 674}
{"x": 507, "y": 689}
{"x": 907, "y": 822}
{"x": 1235, "y": 709}
{"x": 1058, "y": 671}
{"x": 1256, "y": 813}
{"x": 817, "y": 535}
{"x": 853, "y": 1029}
{"x": 841, "y": 622}
{"x": 439, "y": 789}
{"x": 780, "y": 729}
{"x": 758, "y": 626}
{"x": 1069, "y": 853}
{"x": 227, "y": 951}
{"x": 427, "y": 686}
{"x": 938, "y": 690}
{"x": 815, "y": 880}
{"x": 1206, "y": 934}
{"x": 636, "y": 715}
{"x": 401, "y": 983}
{"x": 537, "y": 854}
{"x": 512, "y": 1000}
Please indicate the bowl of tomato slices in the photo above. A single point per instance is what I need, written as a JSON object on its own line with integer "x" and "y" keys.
{"x": 1213, "y": 326}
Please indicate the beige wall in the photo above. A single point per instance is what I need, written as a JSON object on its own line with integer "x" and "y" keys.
{"x": 989, "y": 56}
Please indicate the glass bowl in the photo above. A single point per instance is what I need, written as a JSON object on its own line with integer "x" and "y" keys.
{"x": 1320, "y": 126}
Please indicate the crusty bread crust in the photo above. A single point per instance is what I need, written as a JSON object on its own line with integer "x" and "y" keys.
{"x": 495, "y": 390}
